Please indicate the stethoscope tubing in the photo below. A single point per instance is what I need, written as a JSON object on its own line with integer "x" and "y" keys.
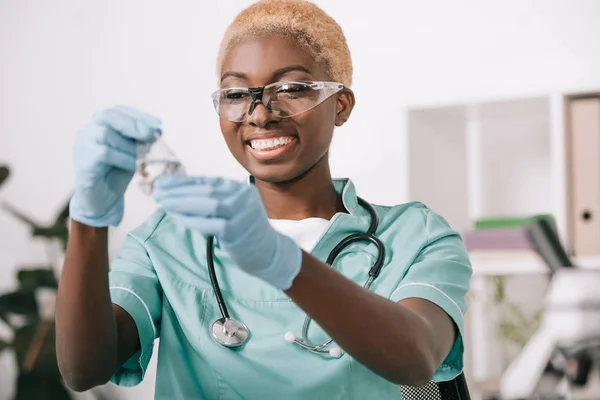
{"x": 368, "y": 236}
{"x": 213, "y": 277}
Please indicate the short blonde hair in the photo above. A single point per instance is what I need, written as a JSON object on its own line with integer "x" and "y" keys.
{"x": 301, "y": 21}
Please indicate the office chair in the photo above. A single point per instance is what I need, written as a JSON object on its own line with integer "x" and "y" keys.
{"x": 456, "y": 389}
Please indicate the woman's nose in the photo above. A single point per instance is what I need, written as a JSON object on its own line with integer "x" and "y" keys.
{"x": 259, "y": 115}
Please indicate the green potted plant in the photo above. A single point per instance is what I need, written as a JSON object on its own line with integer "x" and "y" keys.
{"x": 28, "y": 311}
{"x": 33, "y": 337}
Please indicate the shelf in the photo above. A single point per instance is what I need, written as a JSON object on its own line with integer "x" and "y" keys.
{"x": 488, "y": 159}
{"x": 484, "y": 266}
{"x": 514, "y": 168}
{"x": 493, "y": 159}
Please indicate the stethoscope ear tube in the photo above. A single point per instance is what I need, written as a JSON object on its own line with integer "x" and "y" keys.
{"x": 335, "y": 352}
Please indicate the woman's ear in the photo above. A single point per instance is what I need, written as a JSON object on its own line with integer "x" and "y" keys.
{"x": 345, "y": 104}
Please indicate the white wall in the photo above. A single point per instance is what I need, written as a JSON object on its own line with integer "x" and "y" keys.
{"x": 61, "y": 60}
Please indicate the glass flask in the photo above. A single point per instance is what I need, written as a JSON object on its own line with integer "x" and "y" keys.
{"x": 155, "y": 159}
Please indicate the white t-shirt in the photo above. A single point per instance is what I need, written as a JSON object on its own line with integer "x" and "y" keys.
{"x": 305, "y": 232}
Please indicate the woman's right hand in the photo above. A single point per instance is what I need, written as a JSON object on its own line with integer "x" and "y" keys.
{"x": 105, "y": 161}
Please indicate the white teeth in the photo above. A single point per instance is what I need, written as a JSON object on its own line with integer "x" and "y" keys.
{"x": 264, "y": 144}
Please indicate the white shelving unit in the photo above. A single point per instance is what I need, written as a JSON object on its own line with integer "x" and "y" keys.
{"x": 502, "y": 157}
{"x": 493, "y": 158}
{"x": 487, "y": 159}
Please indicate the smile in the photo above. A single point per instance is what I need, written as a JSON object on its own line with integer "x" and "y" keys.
{"x": 270, "y": 144}
{"x": 271, "y": 148}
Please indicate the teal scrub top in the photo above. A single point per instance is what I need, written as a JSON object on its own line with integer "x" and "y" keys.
{"x": 160, "y": 277}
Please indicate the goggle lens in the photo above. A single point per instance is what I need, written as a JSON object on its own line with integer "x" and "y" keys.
{"x": 283, "y": 99}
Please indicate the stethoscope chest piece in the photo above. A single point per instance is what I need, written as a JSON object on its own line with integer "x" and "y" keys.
{"x": 229, "y": 332}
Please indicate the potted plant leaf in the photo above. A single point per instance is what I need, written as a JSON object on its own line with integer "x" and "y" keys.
{"x": 28, "y": 312}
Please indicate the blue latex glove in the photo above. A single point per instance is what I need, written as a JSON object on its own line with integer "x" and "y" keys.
{"x": 105, "y": 155}
{"x": 234, "y": 213}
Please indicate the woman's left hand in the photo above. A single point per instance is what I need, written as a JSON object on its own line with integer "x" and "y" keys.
{"x": 234, "y": 213}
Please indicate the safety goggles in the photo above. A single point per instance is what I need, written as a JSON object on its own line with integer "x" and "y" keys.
{"x": 283, "y": 99}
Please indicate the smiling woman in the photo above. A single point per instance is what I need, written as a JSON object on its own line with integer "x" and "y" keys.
{"x": 389, "y": 312}
{"x": 268, "y": 79}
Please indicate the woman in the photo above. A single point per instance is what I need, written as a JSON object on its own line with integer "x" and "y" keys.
{"x": 271, "y": 238}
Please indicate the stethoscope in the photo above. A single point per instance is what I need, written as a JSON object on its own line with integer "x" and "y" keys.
{"x": 232, "y": 333}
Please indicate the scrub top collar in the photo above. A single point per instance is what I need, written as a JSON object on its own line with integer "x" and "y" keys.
{"x": 346, "y": 190}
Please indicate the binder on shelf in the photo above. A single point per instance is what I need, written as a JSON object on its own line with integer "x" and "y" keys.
{"x": 537, "y": 242}
{"x": 583, "y": 138}
{"x": 497, "y": 239}
{"x": 501, "y": 241}
{"x": 510, "y": 222}
{"x": 503, "y": 233}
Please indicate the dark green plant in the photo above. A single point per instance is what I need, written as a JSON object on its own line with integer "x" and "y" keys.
{"x": 56, "y": 231}
{"x": 33, "y": 338}
{"x": 33, "y": 341}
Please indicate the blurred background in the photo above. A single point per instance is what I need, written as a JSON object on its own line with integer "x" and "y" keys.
{"x": 463, "y": 105}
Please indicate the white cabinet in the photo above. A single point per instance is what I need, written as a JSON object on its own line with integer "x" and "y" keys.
{"x": 493, "y": 158}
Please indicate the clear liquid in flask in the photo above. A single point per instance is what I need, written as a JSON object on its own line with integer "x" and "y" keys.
{"x": 155, "y": 159}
